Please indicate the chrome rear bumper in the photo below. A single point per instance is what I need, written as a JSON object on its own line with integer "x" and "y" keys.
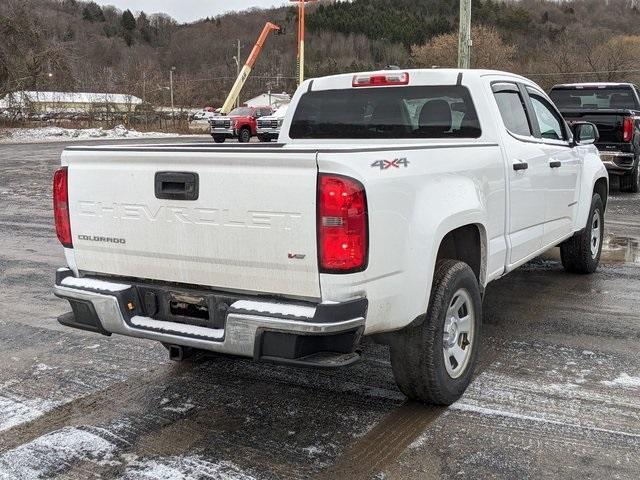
{"x": 115, "y": 307}
{"x": 617, "y": 161}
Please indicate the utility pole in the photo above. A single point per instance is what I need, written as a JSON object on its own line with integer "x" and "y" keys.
{"x": 144, "y": 87}
{"x": 464, "y": 41}
{"x": 301, "y": 42}
{"x": 237, "y": 59}
{"x": 301, "y": 21}
{"x": 173, "y": 69}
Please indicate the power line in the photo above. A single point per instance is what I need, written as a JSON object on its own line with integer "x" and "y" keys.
{"x": 579, "y": 73}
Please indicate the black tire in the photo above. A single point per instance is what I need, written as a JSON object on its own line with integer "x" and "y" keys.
{"x": 576, "y": 252}
{"x": 417, "y": 352}
{"x": 631, "y": 182}
{"x": 218, "y": 138}
{"x": 264, "y": 138}
{"x": 244, "y": 136}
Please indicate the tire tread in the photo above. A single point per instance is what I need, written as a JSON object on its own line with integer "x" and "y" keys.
{"x": 413, "y": 355}
{"x": 575, "y": 252}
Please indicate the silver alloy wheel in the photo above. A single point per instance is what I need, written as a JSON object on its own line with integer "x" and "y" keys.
{"x": 457, "y": 338}
{"x": 596, "y": 234}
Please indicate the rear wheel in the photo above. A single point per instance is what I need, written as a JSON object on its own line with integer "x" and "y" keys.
{"x": 244, "y": 136}
{"x": 218, "y": 138}
{"x": 433, "y": 361}
{"x": 264, "y": 138}
{"x": 631, "y": 181}
{"x": 581, "y": 253}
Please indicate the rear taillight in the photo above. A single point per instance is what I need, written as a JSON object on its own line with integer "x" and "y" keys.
{"x": 343, "y": 241}
{"x": 627, "y": 130}
{"x": 381, "y": 79}
{"x": 61, "y": 207}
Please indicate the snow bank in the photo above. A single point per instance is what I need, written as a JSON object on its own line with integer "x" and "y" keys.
{"x": 53, "y": 134}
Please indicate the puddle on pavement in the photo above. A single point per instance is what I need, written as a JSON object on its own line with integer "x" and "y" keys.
{"x": 620, "y": 249}
{"x": 615, "y": 249}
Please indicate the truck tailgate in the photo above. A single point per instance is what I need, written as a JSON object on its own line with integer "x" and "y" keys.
{"x": 252, "y": 227}
{"x": 609, "y": 122}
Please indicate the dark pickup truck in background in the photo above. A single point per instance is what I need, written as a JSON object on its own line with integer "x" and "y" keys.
{"x": 615, "y": 109}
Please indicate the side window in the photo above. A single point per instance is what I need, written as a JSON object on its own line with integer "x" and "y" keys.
{"x": 549, "y": 120}
{"x": 512, "y": 109}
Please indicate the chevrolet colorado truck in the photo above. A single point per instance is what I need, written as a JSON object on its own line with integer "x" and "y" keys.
{"x": 241, "y": 123}
{"x": 615, "y": 109}
{"x": 390, "y": 202}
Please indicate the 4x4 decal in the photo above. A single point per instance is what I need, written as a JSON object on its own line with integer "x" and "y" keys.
{"x": 387, "y": 164}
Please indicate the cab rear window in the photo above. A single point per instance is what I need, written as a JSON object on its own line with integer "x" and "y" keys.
{"x": 593, "y": 98}
{"x": 387, "y": 112}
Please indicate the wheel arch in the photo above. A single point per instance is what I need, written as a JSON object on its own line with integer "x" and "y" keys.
{"x": 595, "y": 179}
{"x": 468, "y": 244}
{"x": 601, "y": 187}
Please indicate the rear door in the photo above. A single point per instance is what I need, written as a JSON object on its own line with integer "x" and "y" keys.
{"x": 528, "y": 172}
{"x": 564, "y": 163}
{"x": 251, "y": 226}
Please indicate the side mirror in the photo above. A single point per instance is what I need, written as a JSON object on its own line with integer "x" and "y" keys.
{"x": 585, "y": 133}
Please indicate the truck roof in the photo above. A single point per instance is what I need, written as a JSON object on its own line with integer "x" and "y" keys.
{"x": 424, "y": 76}
{"x": 593, "y": 85}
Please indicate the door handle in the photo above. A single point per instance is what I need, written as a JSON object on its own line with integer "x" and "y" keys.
{"x": 520, "y": 166}
{"x": 555, "y": 164}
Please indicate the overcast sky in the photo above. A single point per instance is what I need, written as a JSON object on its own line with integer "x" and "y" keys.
{"x": 188, "y": 10}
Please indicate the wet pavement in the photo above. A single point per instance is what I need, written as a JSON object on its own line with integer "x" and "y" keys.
{"x": 557, "y": 394}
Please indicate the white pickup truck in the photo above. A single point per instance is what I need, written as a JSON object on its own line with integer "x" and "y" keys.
{"x": 391, "y": 201}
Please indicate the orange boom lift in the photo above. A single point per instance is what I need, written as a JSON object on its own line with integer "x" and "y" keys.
{"x": 246, "y": 70}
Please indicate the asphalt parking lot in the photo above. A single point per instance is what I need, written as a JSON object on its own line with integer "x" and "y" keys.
{"x": 557, "y": 394}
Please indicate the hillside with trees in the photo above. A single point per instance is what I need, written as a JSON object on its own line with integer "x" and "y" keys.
{"x": 72, "y": 45}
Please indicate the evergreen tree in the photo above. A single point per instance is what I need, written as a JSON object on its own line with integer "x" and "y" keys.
{"x": 128, "y": 21}
{"x": 92, "y": 12}
{"x": 144, "y": 27}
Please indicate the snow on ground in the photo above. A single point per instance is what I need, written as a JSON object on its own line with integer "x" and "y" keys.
{"x": 54, "y": 453}
{"x": 53, "y": 134}
{"x": 624, "y": 380}
{"x": 15, "y": 410}
{"x": 182, "y": 468}
{"x": 51, "y": 454}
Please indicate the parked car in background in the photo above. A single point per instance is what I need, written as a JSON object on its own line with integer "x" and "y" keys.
{"x": 269, "y": 126}
{"x": 241, "y": 123}
{"x": 614, "y": 109}
{"x": 206, "y": 114}
{"x": 368, "y": 218}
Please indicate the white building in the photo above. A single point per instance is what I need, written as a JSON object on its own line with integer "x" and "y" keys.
{"x": 42, "y": 102}
{"x": 269, "y": 99}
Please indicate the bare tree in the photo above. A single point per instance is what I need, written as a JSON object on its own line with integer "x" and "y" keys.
{"x": 488, "y": 51}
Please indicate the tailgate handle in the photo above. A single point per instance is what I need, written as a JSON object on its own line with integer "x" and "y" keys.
{"x": 177, "y": 185}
